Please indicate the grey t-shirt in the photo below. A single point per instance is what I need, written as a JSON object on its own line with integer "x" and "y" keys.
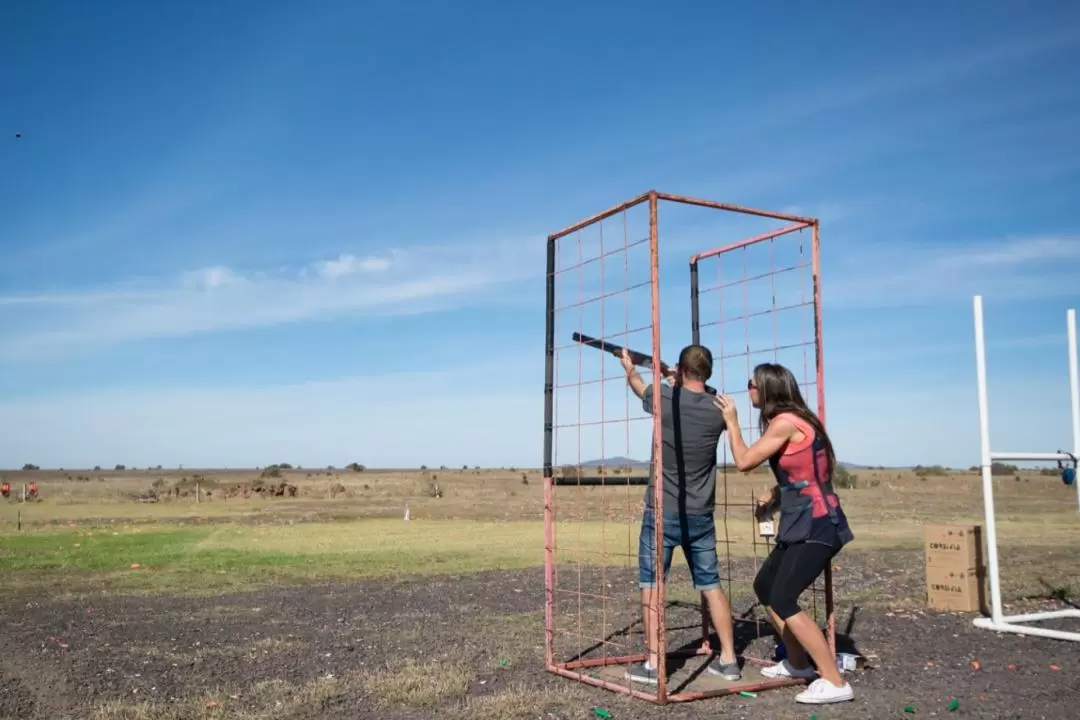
{"x": 692, "y": 427}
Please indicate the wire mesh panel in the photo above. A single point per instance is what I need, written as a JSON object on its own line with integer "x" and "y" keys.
{"x": 757, "y": 300}
{"x": 602, "y": 290}
{"x": 603, "y": 294}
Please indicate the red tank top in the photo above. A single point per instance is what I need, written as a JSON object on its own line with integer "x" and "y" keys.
{"x": 806, "y": 461}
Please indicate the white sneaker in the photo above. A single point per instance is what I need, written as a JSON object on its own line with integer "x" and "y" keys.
{"x": 821, "y": 691}
{"x": 783, "y": 669}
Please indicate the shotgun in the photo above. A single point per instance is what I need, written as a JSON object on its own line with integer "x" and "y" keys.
{"x": 638, "y": 358}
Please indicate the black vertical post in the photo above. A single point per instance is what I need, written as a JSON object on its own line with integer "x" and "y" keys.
{"x": 695, "y": 322}
{"x": 549, "y": 474}
{"x": 549, "y": 361}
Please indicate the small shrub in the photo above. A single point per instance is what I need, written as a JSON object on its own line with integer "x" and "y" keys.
{"x": 844, "y": 478}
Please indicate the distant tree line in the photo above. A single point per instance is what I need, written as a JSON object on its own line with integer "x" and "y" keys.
{"x": 1000, "y": 468}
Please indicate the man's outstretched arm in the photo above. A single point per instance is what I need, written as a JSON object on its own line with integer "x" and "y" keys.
{"x": 633, "y": 379}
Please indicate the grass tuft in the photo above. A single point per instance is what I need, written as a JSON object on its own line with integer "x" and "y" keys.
{"x": 414, "y": 684}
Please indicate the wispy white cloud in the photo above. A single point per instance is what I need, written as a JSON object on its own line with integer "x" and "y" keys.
{"x": 1013, "y": 268}
{"x": 861, "y": 86}
{"x": 905, "y": 352}
{"x": 884, "y": 83}
{"x": 1013, "y": 253}
{"x": 939, "y": 422}
{"x": 316, "y": 423}
{"x": 401, "y": 281}
{"x": 350, "y": 265}
{"x": 312, "y": 424}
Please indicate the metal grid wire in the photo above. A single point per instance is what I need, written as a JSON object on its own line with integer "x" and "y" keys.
{"x": 603, "y": 282}
{"x": 763, "y": 306}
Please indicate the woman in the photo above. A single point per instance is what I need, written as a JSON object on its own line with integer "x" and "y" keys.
{"x": 812, "y": 528}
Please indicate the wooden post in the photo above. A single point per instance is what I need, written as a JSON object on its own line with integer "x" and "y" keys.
{"x": 20, "y": 521}
{"x": 198, "y": 493}
{"x": 24, "y": 492}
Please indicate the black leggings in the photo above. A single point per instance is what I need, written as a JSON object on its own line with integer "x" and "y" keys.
{"x": 787, "y": 572}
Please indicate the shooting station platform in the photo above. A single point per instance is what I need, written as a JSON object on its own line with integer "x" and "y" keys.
{"x": 689, "y": 680}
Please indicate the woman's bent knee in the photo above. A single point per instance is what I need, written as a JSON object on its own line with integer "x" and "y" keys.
{"x": 784, "y": 605}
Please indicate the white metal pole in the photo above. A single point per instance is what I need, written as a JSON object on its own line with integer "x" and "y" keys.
{"x": 1074, "y": 387}
{"x": 984, "y": 462}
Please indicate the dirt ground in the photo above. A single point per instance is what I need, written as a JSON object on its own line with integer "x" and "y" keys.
{"x": 472, "y": 646}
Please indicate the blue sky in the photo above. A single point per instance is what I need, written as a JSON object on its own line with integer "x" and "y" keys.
{"x": 242, "y": 233}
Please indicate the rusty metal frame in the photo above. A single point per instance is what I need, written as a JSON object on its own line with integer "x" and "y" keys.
{"x": 576, "y": 669}
{"x": 798, "y": 223}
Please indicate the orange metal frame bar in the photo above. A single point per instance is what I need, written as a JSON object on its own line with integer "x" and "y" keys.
{"x": 570, "y": 669}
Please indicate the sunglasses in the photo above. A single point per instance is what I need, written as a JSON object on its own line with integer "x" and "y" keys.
{"x": 750, "y": 385}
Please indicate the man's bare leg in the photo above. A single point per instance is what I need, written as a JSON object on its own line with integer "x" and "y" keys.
{"x": 652, "y": 635}
{"x": 720, "y": 614}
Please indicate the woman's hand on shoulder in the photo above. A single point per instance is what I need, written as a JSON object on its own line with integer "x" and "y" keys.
{"x": 726, "y": 405}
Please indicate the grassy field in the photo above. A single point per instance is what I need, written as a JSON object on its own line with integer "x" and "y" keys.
{"x": 90, "y": 534}
{"x": 94, "y": 535}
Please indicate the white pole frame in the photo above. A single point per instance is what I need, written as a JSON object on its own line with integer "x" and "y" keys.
{"x": 998, "y": 621}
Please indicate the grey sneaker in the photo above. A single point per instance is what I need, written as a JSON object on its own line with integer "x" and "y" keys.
{"x": 640, "y": 673}
{"x": 728, "y": 671}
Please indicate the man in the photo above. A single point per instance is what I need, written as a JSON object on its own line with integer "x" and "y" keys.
{"x": 691, "y": 431}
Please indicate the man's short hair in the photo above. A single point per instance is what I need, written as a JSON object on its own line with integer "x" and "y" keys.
{"x": 695, "y": 362}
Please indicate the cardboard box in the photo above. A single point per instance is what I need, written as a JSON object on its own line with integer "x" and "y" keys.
{"x": 953, "y": 546}
{"x": 958, "y": 589}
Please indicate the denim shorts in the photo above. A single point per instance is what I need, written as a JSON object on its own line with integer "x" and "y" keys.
{"x": 696, "y": 534}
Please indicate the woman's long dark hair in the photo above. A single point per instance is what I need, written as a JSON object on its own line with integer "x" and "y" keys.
{"x": 778, "y": 392}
